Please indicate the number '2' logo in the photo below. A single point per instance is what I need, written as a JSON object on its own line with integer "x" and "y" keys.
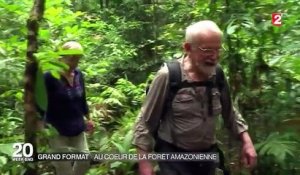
{"x": 22, "y": 150}
{"x": 276, "y": 19}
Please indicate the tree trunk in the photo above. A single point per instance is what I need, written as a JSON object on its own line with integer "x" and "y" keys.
{"x": 106, "y": 3}
{"x": 30, "y": 119}
{"x": 101, "y": 4}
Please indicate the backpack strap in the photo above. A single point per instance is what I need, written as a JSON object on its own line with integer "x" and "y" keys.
{"x": 217, "y": 82}
{"x": 174, "y": 81}
{"x": 221, "y": 83}
{"x": 220, "y": 78}
{"x": 174, "y": 75}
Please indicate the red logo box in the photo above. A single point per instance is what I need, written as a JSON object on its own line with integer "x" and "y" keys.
{"x": 277, "y": 19}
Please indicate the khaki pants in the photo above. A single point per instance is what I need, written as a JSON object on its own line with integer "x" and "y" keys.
{"x": 70, "y": 144}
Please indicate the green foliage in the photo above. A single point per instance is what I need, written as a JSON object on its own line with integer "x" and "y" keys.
{"x": 40, "y": 91}
{"x": 117, "y": 142}
{"x": 280, "y": 147}
{"x": 7, "y": 166}
{"x": 126, "y": 41}
{"x": 278, "y": 150}
{"x": 288, "y": 64}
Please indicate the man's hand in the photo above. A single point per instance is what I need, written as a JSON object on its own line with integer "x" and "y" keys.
{"x": 249, "y": 156}
{"x": 145, "y": 166}
{"x": 90, "y": 126}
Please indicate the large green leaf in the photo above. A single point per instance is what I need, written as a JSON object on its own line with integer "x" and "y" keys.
{"x": 7, "y": 149}
{"x": 40, "y": 92}
{"x": 280, "y": 146}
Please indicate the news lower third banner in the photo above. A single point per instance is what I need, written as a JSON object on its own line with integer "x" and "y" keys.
{"x": 211, "y": 157}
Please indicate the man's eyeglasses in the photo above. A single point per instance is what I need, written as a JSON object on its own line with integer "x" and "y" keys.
{"x": 211, "y": 51}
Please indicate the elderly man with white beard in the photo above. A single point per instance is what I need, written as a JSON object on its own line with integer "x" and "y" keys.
{"x": 184, "y": 120}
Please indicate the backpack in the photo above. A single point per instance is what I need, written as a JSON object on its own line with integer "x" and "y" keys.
{"x": 175, "y": 84}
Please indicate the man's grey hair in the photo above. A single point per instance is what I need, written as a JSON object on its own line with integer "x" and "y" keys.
{"x": 201, "y": 28}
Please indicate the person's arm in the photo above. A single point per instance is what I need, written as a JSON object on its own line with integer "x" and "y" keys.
{"x": 149, "y": 118}
{"x": 248, "y": 154}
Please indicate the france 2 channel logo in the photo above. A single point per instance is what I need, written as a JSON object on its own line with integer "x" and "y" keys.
{"x": 277, "y": 19}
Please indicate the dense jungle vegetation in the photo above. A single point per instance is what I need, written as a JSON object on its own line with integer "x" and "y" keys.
{"x": 125, "y": 43}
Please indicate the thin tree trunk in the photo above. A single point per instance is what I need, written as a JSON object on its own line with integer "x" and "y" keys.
{"x": 106, "y": 3}
{"x": 155, "y": 27}
{"x": 30, "y": 119}
{"x": 101, "y": 4}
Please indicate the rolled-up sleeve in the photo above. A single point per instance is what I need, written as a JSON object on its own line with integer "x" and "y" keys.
{"x": 233, "y": 120}
{"x": 149, "y": 117}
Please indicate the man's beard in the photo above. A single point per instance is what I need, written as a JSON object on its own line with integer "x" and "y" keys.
{"x": 207, "y": 70}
